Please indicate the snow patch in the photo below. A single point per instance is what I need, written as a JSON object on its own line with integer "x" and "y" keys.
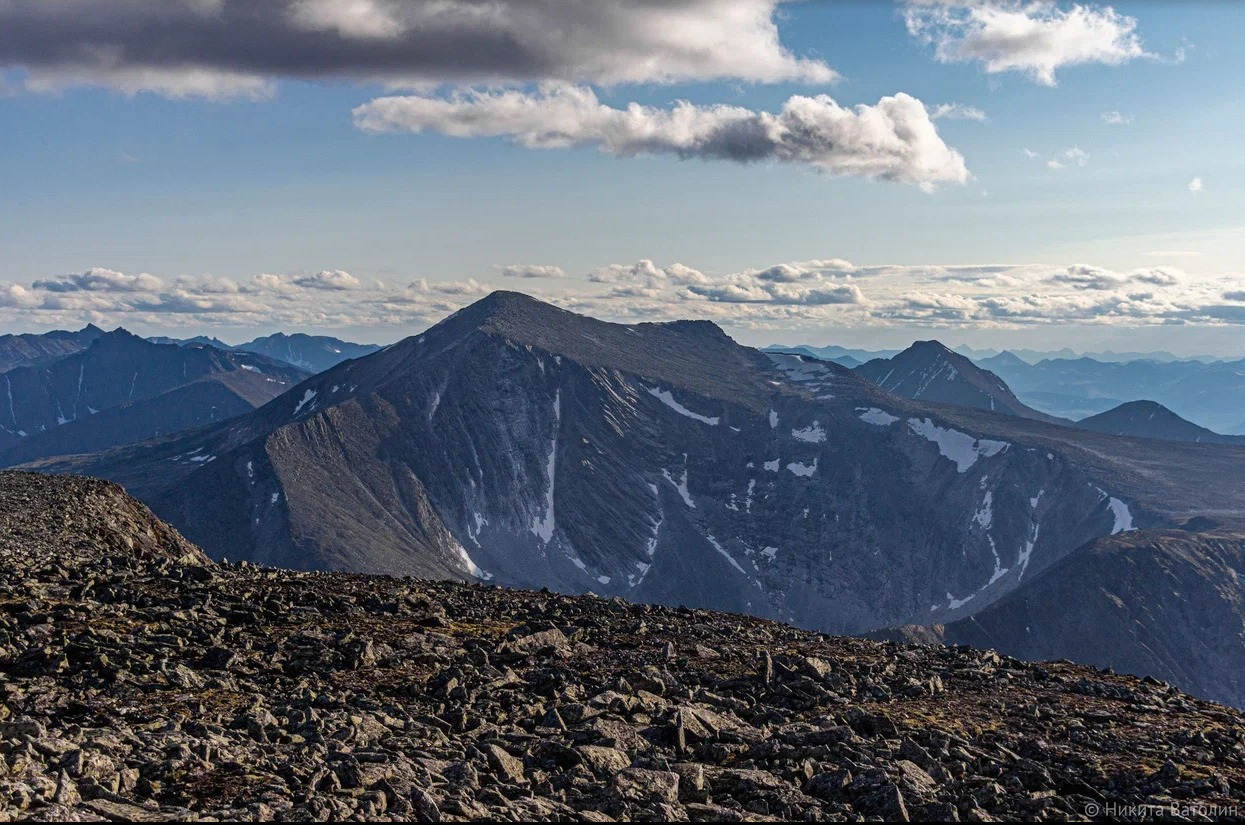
{"x": 1123, "y": 518}
{"x": 681, "y": 486}
{"x": 879, "y": 418}
{"x": 250, "y": 368}
{"x": 769, "y": 552}
{"x": 308, "y": 396}
{"x": 667, "y": 398}
{"x": 543, "y": 527}
{"x": 772, "y": 466}
{"x": 985, "y": 516}
{"x": 959, "y": 447}
{"x": 773, "y": 420}
{"x": 813, "y": 434}
{"x": 803, "y": 469}
{"x": 472, "y": 568}
{"x": 725, "y": 554}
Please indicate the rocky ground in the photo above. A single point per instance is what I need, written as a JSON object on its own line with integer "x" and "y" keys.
{"x": 140, "y": 681}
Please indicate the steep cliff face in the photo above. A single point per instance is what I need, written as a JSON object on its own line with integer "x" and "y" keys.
{"x": 1163, "y": 603}
{"x": 520, "y": 444}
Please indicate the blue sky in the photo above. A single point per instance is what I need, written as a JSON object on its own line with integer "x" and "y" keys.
{"x": 206, "y": 189}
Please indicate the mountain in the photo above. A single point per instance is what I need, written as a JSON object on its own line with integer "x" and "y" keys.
{"x": 313, "y": 353}
{"x": 1148, "y": 419}
{"x": 26, "y": 349}
{"x": 122, "y": 389}
{"x": 928, "y": 371}
{"x": 145, "y": 683}
{"x": 197, "y": 341}
{"x": 1210, "y": 395}
{"x": 521, "y": 444}
{"x": 1160, "y": 603}
{"x": 840, "y": 355}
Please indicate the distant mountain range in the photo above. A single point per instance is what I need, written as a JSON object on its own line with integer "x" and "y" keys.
{"x": 1211, "y": 395}
{"x": 313, "y": 353}
{"x": 121, "y": 389}
{"x": 1029, "y": 356}
{"x": 26, "y": 349}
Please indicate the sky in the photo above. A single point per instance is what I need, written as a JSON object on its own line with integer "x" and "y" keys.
{"x": 985, "y": 172}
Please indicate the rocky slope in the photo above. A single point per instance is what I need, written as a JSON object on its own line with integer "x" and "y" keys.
{"x": 520, "y": 444}
{"x": 140, "y": 682}
{"x": 1165, "y": 603}
{"x": 1149, "y": 419}
{"x": 122, "y": 389}
{"x": 928, "y": 371}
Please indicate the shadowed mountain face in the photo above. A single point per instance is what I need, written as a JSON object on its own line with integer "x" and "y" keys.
{"x": 521, "y": 444}
{"x": 122, "y": 389}
{"x": 27, "y": 349}
{"x": 313, "y": 353}
{"x": 928, "y": 371}
{"x": 1162, "y": 603}
{"x": 1148, "y": 419}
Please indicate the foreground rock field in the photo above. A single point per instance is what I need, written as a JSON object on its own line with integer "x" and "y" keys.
{"x": 138, "y": 680}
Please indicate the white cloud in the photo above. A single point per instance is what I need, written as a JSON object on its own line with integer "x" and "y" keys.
{"x": 530, "y": 271}
{"x": 957, "y": 111}
{"x": 893, "y": 140}
{"x": 1034, "y": 37}
{"x": 786, "y": 297}
{"x": 1195, "y": 185}
{"x": 98, "y": 279}
{"x": 1072, "y": 155}
{"x": 1115, "y": 118}
{"x": 230, "y": 48}
{"x": 328, "y": 279}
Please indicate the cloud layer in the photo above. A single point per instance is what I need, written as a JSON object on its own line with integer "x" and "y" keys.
{"x": 1034, "y": 37}
{"x": 893, "y": 140}
{"x": 230, "y": 48}
{"x": 784, "y": 298}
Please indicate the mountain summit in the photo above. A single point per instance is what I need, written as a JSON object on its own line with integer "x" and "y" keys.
{"x": 1149, "y": 419}
{"x": 928, "y": 371}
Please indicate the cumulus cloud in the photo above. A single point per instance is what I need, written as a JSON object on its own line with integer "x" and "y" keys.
{"x": 1114, "y": 118}
{"x": 1033, "y": 37}
{"x": 231, "y": 48}
{"x": 98, "y": 279}
{"x": 530, "y": 271}
{"x": 1195, "y": 185}
{"x": 893, "y": 140}
{"x": 328, "y": 279}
